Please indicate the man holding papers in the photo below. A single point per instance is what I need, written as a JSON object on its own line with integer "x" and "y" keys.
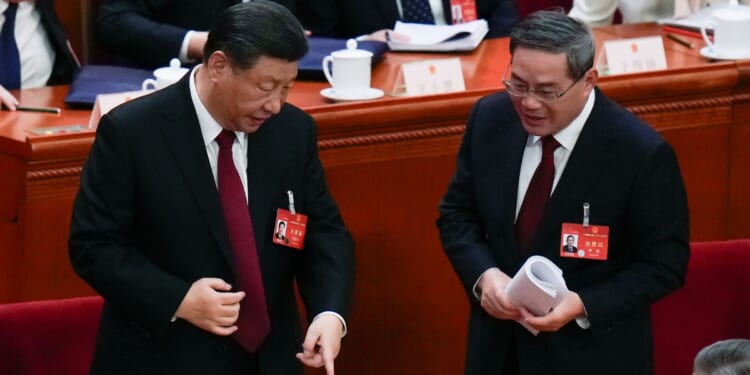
{"x": 548, "y": 158}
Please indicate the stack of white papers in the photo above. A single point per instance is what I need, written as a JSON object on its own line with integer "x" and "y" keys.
{"x": 538, "y": 286}
{"x": 458, "y": 37}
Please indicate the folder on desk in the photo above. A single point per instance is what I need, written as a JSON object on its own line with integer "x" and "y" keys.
{"x": 311, "y": 66}
{"x": 440, "y": 38}
{"x": 92, "y": 80}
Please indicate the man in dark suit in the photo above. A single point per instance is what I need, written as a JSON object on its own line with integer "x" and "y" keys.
{"x": 46, "y": 56}
{"x": 155, "y": 228}
{"x": 148, "y": 33}
{"x": 360, "y": 17}
{"x": 608, "y": 158}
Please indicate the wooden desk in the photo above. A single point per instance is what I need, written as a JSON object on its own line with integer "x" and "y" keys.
{"x": 388, "y": 163}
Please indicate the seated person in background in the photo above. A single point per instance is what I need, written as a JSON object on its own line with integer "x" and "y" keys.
{"x": 148, "y": 33}
{"x": 726, "y": 357}
{"x": 373, "y": 17}
{"x": 44, "y": 56}
{"x": 601, "y": 12}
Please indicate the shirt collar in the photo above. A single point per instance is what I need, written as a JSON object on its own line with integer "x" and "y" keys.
{"x": 210, "y": 129}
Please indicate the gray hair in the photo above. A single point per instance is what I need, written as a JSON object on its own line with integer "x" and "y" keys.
{"x": 556, "y": 32}
{"x": 721, "y": 356}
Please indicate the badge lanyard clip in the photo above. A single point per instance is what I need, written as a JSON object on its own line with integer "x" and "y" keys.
{"x": 586, "y": 214}
{"x": 291, "y": 202}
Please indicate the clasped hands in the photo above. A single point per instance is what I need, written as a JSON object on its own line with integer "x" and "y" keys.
{"x": 495, "y": 302}
{"x": 211, "y": 305}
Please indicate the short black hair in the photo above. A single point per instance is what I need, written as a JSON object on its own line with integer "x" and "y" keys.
{"x": 247, "y": 31}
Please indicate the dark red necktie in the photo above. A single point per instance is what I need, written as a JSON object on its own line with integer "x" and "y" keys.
{"x": 253, "y": 321}
{"x": 537, "y": 195}
{"x": 10, "y": 62}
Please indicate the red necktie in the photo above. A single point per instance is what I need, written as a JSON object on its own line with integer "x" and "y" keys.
{"x": 537, "y": 195}
{"x": 253, "y": 321}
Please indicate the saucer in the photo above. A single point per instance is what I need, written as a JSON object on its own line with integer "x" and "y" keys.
{"x": 368, "y": 94}
{"x": 712, "y": 53}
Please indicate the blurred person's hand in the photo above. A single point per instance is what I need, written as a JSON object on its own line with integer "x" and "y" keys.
{"x": 8, "y": 100}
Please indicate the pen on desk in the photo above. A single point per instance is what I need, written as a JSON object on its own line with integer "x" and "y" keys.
{"x": 680, "y": 40}
{"x": 54, "y": 110}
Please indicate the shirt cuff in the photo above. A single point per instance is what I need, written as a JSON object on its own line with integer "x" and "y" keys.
{"x": 340, "y": 318}
{"x": 184, "y": 47}
{"x": 583, "y": 321}
{"x": 475, "y": 289}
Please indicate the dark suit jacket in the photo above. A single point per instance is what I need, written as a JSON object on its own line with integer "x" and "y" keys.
{"x": 358, "y": 17}
{"x": 630, "y": 177}
{"x": 148, "y": 33}
{"x": 147, "y": 222}
{"x": 65, "y": 63}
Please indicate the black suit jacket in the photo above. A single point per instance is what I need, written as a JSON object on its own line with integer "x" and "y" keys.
{"x": 147, "y": 223}
{"x": 358, "y": 17}
{"x": 148, "y": 33}
{"x": 630, "y": 177}
{"x": 65, "y": 62}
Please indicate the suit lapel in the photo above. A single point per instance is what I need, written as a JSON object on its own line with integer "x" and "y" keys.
{"x": 183, "y": 137}
{"x": 588, "y": 161}
{"x": 259, "y": 179}
{"x": 507, "y": 153}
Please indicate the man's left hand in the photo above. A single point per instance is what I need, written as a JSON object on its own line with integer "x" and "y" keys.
{"x": 322, "y": 342}
{"x": 570, "y": 308}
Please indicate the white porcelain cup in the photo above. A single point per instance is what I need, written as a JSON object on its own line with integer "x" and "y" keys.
{"x": 348, "y": 70}
{"x": 165, "y": 76}
{"x": 731, "y": 31}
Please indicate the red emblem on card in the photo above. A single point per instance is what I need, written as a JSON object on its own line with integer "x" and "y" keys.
{"x": 463, "y": 11}
{"x": 289, "y": 229}
{"x": 589, "y": 242}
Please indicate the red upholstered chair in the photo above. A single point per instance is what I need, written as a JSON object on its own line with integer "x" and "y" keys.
{"x": 48, "y": 337}
{"x": 713, "y": 305}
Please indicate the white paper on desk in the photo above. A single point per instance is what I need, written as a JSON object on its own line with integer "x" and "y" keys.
{"x": 538, "y": 286}
{"x": 458, "y": 37}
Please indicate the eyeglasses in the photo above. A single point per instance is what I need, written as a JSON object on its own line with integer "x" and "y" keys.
{"x": 521, "y": 90}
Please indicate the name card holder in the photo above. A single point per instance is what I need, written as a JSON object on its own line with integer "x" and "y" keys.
{"x": 426, "y": 77}
{"x": 105, "y": 102}
{"x": 634, "y": 55}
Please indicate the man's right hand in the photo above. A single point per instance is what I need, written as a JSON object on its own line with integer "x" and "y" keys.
{"x": 8, "y": 100}
{"x": 209, "y": 305}
{"x": 494, "y": 300}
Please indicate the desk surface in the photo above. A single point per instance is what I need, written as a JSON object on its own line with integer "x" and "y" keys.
{"x": 482, "y": 69}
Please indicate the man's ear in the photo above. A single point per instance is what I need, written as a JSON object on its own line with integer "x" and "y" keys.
{"x": 218, "y": 64}
{"x": 590, "y": 79}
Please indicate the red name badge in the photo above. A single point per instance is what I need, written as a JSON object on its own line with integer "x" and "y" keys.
{"x": 290, "y": 229}
{"x": 463, "y": 11}
{"x": 589, "y": 242}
